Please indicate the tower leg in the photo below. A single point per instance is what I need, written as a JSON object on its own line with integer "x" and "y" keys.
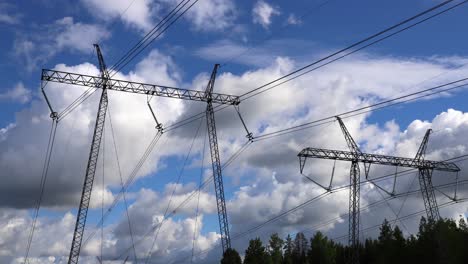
{"x": 89, "y": 179}
{"x": 218, "y": 179}
{"x": 427, "y": 190}
{"x": 354, "y": 212}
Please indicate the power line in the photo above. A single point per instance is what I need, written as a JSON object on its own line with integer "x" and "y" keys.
{"x": 128, "y": 182}
{"x": 45, "y": 172}
{"x": 185, "y": 201}
{"x": 240, "y": 235}
{"x": 380, "y": 104}
{"x": 122, "y": 186}
{"x": 148, "y": 35}
{"x": 219, "y": 107}
{"x": 322, "y": 195}
{"x": 449, "y": 203}
{"x": 352, "y": 111}
{"x": 195, "y": 238}
{"x": 130, "y": 55}
{"x": 128, "y": 58}
{"x": 248, "y": 49}
{"x": 103, "y": 150}
{"x": 173, "y": 192}
{"x": 329, "y": 119}
{"x": 362, "y": 42}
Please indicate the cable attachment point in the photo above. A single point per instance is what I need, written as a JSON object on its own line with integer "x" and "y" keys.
{"x": 53, "y": 114}
{"x": 159, "y": 126}
{"x": 249, "y": 135}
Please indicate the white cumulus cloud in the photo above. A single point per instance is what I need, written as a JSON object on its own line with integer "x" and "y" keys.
{"x": 263, "y": 12}
{"x": 19, "y": 93}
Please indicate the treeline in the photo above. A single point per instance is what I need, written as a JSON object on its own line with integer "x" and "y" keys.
{"x": 443, "y": 241}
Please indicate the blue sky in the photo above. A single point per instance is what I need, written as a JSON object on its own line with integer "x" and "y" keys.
{"x": 324, "y": 25}
{"x": 256, "y": 42}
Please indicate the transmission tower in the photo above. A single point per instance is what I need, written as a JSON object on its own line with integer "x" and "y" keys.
{"x": 355, "y": 156}
{"x": 92, "y": 162}
{"x": 216, "y": 164}
{"x": 105, "y": 83}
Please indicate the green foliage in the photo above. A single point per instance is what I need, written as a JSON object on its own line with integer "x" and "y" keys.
{"x": 321, "y": 250}
{"x": 231, "y": 256}
{"x": 256, "y": 253}
{"x": 275, "y": 249}
{"x": 444, "y": 241}
{"x": 299, "y": 253}
{"x": 288, "y": 250}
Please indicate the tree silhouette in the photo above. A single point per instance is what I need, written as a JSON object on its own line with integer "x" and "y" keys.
{"x": 321, "y": 250}
{"x": 300, "y": 248}
{"x": 275, "y": 249}
{"x": 439, "y": 242}
{"x": 231, "y": 256}
{"x": 288, "y": 251}
{"x": 256, "y": 253}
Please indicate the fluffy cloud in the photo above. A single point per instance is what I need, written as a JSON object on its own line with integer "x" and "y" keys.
{"x": 73, "y": 134}
{"x": 138, "y": 14}
{"x": 209, "y": 15}
{"x": 263, "y": 12}
{"x": 63, "y": 34}
{"x": 18, "y": 93}
{"x": 265, "y": 178}
{"x": 293, "y": 20}
{"x": 212, "y": 15}
{"x": 8, "y": 14}
{"x": 52, "y": 236}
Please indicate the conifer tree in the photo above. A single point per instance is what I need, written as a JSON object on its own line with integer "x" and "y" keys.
{"x": 288, "y": 250}
{"x": 231, "y": 256}
{"x": 256, "y": 253}
{"x": 275, "y": 249}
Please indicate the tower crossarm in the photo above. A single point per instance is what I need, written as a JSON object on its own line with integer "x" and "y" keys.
{"x": 377, "y": 159}
{"x": 137, "y": 87}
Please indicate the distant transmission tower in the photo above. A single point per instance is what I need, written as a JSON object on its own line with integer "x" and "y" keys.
{"x": 356, "y": 156}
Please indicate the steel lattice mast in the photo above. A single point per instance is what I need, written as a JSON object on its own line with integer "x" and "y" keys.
{"x": 354, "y": 193}
{"x": 216, "y": 164}
{"x": 105, "y": 83}
{"x": 355, "y": 156}
{"x": 425, "y": 182}
{"x": 92, "y": 162}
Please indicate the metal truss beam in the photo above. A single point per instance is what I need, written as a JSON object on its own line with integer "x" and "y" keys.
{"x": 137, "y": 87}
{"x": 376, "y": 159}
{"x": 355, "y": 155}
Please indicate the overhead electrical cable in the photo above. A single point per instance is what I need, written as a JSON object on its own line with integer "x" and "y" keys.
{"x": 128, "y": 182}
{"x": 181, "y": 172}
{"x": 254, "y": 92}
{"x": 341, "y": 188}
{"x": 176, "y": 210}
{"x": 242, "y": 234}
{"x": 134, "y": 51}
{"x": 421, "y": 212}
{"x": 103, "y": 150}
{"x": 45, "y": 173}
{"x": 147, "y": 36}
{"x": 286, "y": 25}
{"x": 356, "y": 44}
{"x": 130, "y": 229}
{"x": 177, "y": 15}
{"x": 381, "y": 104}
{"x": 195, "y": 230}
